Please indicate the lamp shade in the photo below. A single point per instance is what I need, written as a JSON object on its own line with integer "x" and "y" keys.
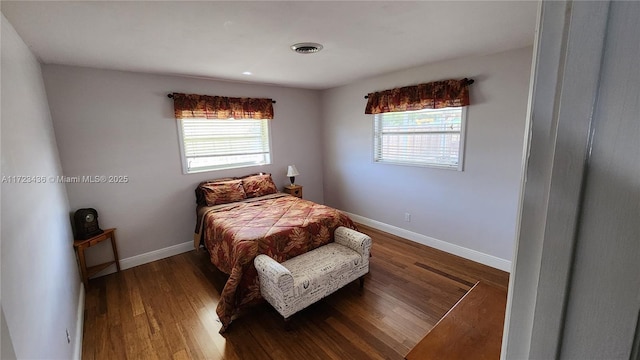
{"x": 292, "y": 171}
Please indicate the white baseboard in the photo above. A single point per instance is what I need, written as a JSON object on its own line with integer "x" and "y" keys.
{"x": 148, "y": 257}
{"x": 474, "y": 255}
{"x": 77, "y": 349}
{"x": 156, "y": 255}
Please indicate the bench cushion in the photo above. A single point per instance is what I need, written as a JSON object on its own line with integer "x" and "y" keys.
{"x": 300, "y": 281}
{"x": 323, "y": 269}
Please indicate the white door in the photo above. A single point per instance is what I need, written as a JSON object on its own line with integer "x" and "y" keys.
{"x": 575, "y": 285}
{"x": 604, "y": 289}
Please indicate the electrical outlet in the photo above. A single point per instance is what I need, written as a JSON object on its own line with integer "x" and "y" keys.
{"x": 68, "y": 337}
{"x": 407, "y": 217}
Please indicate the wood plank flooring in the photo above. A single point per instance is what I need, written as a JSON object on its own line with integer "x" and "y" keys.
{"x": 166, "y": 309}
{"x": 472, "y": 326}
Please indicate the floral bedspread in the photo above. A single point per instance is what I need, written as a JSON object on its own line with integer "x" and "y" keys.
{"x": 280, "y": 226}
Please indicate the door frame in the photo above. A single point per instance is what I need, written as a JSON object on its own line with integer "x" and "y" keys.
{"x": 568, "y": 50}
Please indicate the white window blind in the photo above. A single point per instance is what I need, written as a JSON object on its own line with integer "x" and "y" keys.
{"x": 211, "y": 144}
{"x": 430, "y": 137}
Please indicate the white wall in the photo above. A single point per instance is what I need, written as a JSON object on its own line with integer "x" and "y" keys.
{"x": 121, "y": 123}
{"x": 40, "y": 281}
{"x": 475, "y": 209}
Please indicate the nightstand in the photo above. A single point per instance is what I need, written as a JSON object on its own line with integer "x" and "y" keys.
{"x": 81, "y": 245}
{"x": 295, "y": 190}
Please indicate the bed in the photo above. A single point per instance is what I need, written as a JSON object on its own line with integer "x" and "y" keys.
{"x": 239, "y": 218}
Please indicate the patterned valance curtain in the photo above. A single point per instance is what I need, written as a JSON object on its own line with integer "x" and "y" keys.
{"x": 433, "y": 95}
{"x": 187, "y": 106}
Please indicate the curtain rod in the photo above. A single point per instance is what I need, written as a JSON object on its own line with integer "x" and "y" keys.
{"x": 170, "y": 96}
{"x": 469, "y": 82}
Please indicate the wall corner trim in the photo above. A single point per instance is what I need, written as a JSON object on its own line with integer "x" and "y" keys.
{"x": 77, "y": 348}
{"x": 470, "y": 254}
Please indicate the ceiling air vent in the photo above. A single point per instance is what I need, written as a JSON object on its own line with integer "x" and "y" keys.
{"x": 306, "y": 48}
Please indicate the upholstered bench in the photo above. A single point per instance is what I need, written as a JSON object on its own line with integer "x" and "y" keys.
{"x": 301, "y": 281}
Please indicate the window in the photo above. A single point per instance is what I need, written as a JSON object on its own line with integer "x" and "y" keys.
{"x": 213, "y": 144}
{"x": 431, "y": 137}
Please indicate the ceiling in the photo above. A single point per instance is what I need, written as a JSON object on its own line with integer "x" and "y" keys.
{"x": 223, "y": 39}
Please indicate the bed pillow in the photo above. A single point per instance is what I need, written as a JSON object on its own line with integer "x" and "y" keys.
{"x": 223, "y": 192}
{"x": 200, "y": 200}
{"x": 258, "y": 185}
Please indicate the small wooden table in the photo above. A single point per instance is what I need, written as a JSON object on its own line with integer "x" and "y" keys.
{"x": 295, "y": 190}
{"x": 472, "y": 329}
{"x": 81, "y": 245}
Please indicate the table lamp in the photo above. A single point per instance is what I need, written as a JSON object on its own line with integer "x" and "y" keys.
{"x": 292, "y": 172}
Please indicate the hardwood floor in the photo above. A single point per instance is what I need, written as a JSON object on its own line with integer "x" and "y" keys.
{"x": 473, "y": 325}
{"x": 166, "y": 309}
